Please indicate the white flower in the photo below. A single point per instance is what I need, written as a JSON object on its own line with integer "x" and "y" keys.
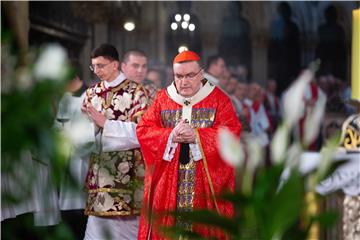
{"x": 124, "y": 167}
{"x": 105, "y": 178}
{"x": 126, "y": 179}
{"x": 230, "y": 148}
{"x": 96, "y": 102}
{"x": 51, "y": 64}
{"x": 326, "y": 153}
{"x": 122, "y": 102}
{"x": 81, "y": 131}
{"x": 109, "y": 113}
{"x": 103, "y": 202}
{"x": 313, "y": 120}
{"x": 255, "y": 154}
{"x": 293, "y": 98}
{"x": 279, "y": 144}
{"x": 293, "y": 156}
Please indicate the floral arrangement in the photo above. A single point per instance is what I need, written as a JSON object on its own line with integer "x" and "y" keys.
{"x": 31, "y": 84}
{"x": 270, "y": 202}
{"x": 29, "y": 93}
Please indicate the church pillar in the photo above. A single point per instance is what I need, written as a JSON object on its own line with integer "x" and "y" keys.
{"x": 259, "y": 39}
{"x": 161, "y": 36}
{"x": 259, "y": 59}
{"x": 19, "y": 23}
{"x": 100, "y": 33}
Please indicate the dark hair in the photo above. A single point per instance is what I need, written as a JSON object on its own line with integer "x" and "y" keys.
{"x": 107, "y": 51}
{"x": 135, "y": 52}
{"x": 212, "y": 60}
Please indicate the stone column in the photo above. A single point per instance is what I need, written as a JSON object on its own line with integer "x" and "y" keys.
{"x": 100, "y": 33}
{"x": 259, "y": 38}
{"x": 161, "y": 37}
{"x": 17, "y": 13}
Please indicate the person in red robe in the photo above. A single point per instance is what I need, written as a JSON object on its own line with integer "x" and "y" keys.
{"x": 178, "y": 139}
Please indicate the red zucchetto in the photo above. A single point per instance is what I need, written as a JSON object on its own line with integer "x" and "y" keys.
{"x": 186, "y": 56}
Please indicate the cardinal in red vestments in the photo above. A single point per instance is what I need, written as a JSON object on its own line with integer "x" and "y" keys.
{"x": 178, "y": 139}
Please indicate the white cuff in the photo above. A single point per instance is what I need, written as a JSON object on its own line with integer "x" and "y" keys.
{"x": 118, "y": 136}
{"x": 170, "y": 148}
{"x": 195, "y": 151}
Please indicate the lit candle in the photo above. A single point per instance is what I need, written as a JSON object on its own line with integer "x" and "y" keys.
{"x": 355, "y": 56}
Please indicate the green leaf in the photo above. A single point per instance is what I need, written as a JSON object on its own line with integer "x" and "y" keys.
{"x": 284, "y": 208}
{"x": 326, "y": 219}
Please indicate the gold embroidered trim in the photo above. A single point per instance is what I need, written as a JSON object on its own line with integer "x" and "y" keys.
{"x": 207, "y": 171}
{"x": 100, "y": 214}
{"x": 112, "y": 190}
{"x": 122, "y": 85}
{"x": 139, "y": 113}
{"x": 109, "y": 96}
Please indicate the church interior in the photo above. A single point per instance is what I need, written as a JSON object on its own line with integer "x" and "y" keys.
{"x": 261, "y": 42}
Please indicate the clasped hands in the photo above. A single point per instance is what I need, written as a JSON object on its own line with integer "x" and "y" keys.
{"x": 183, "y": 133}
{"x": 97, "y": 117}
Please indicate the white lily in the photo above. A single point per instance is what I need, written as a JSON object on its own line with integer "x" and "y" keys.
{"x": 293, "y": 155}
{"x": 230, "y": 148}
{"x": 293, "y": 98}
{"x": 255, "y": 152}
{"x": 279, "y": 144}
{"x": 313, "y": 120}
{"x": 326, "y": 153}
{"x": 52, "y": 63}
{"x": 81, "y": 131}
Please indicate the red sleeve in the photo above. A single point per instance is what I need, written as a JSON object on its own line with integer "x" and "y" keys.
{"x": 222, "y": 175}
{"x": 225, "y": 117}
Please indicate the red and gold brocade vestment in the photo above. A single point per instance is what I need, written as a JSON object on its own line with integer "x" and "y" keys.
{"x": 115, "y": 178}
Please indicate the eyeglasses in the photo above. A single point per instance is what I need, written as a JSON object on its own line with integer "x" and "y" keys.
{"x": 188, "y": 76}
{"x": 98, "y": 66}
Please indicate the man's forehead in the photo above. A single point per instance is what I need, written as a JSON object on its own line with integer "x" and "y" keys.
{"x": 100, "y": 59}
{"x": 137, "y": 58}
{"x": 186, "y": 66}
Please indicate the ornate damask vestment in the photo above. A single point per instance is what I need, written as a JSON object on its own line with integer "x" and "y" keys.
{"x": 115, "y": 179}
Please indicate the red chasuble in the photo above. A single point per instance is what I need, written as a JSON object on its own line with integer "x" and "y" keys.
{"x": 212, "y": 174}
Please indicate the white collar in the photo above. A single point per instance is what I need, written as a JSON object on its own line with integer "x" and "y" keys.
{"x": 200, "y": 95}
{"x": 187, "y": 103}
{"x": 119, "y": 79}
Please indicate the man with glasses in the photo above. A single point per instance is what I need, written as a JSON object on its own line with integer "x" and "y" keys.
{"x": 116, "y": 170}
{"x": 178, "y": 138}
